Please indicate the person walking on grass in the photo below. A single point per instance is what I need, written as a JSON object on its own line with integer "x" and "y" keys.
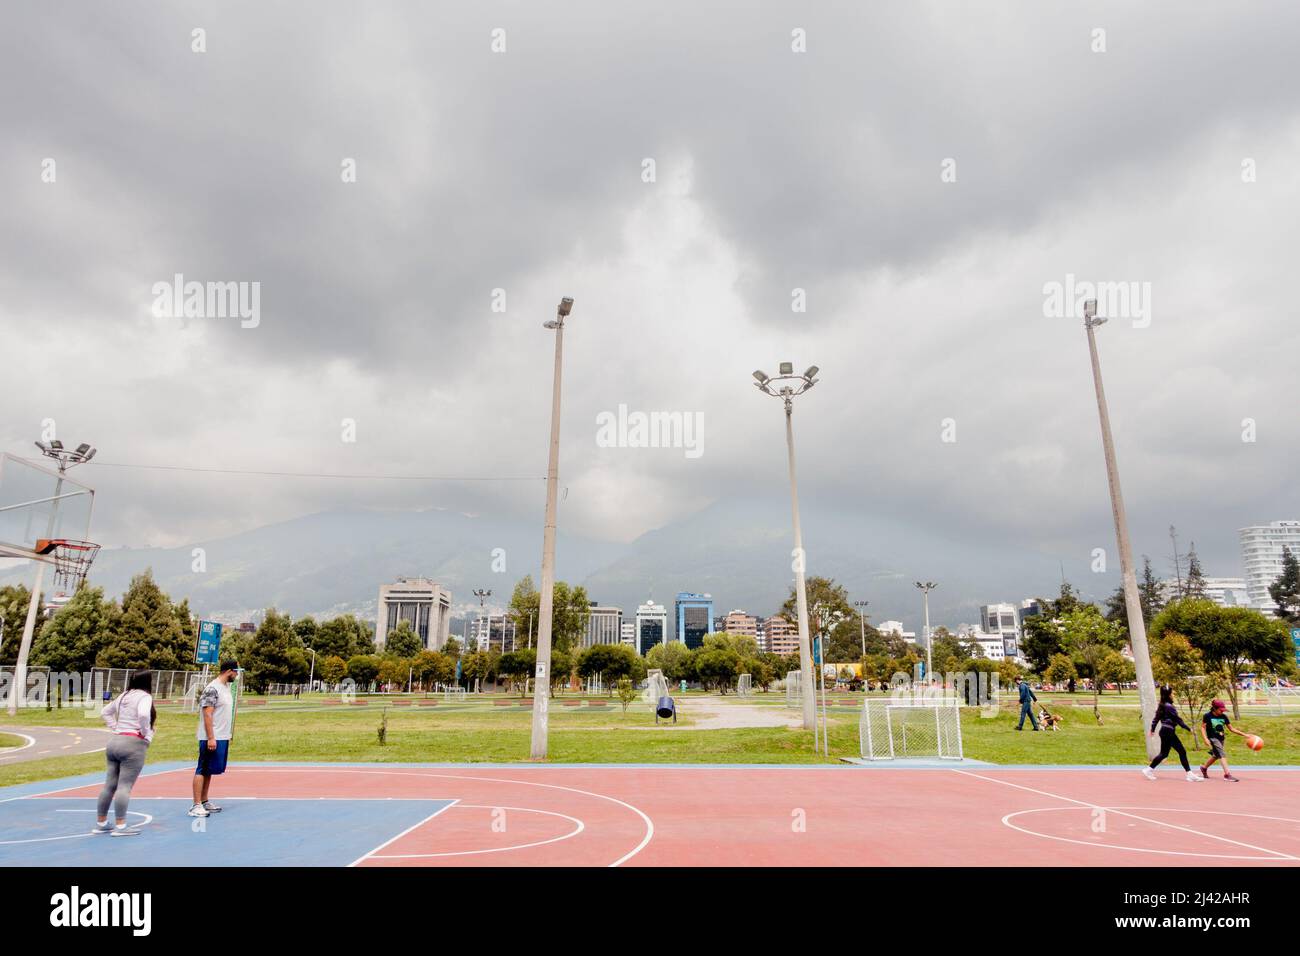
{"x": 216, "y": 712}
{"x": 1168, "y": 721}
{"x": 1027, "y": 698}
{"x": 1213, "y": 727}
{"x": 131, "y": 718}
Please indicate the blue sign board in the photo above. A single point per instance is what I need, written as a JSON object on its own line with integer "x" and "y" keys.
{"x": 1295, "y": 640}
{"x": 817, "y": 650}
{"x": 209, "y": 646}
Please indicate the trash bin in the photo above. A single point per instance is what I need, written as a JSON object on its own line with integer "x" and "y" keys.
{"x": 665, "y": 709}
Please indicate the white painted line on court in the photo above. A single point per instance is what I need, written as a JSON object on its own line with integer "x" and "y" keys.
{"x": 578, "y": 828}
{"x": 365, "y": 856}
{"x": 1097, "y": 806}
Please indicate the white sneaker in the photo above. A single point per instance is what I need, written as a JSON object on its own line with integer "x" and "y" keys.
{"x": 211, "y": 807}
{"x": 124, "y": 832}
{"x": 104, "y": 827}
{"x": 198, "y": 811}
{"x": 1193, "y": 776}
{"x": 1148, "y": 773}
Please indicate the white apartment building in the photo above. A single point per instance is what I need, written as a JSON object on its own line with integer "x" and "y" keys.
{"x": 1225, "y": 592}
{"x": 496, "y": 631}
{"x": 896, "y": 627}
{"x": 738, "y": 622}
{"x": 423, "y": 603}
{"x": 604, "y": 625}
{"x": 1261, "y": 556}
{"x": 627, "y": 634}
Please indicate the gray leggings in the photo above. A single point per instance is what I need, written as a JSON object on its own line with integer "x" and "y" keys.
{"x": 125, "y": 761}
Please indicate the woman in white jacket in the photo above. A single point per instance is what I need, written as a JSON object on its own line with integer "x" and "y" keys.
{"x": 131, "y": 718}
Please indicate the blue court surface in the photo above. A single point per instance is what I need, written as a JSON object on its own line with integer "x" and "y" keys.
{"x": 55, "y": 831}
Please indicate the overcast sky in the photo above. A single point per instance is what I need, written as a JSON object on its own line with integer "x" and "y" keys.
{"x": 523, "y": 170}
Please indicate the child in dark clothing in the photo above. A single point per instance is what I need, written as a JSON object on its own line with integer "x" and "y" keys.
{"x": 1168, "y": 721}
{"x": 1213, "y": 727}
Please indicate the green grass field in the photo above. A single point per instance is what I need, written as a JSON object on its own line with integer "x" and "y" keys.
{"x": 9, "y": 740}
{"x": 478, "y": 731}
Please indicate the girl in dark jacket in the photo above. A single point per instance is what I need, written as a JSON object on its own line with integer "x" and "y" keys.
{"x": 1167, "y": 720}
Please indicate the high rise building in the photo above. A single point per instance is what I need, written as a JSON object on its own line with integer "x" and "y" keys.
{"x": 1261, "y": 556}
{"x": 651, "y": 626}
{"x": 693, "y": 618}
{"x": 627, "y": 634}
{"x": 496, "y": 632}
{"x": 604, "y": 625}
{"x": 422, "y": 603}
{"x": 896, "y": 628}
{"x": 782, "y": 635}
{"x": 1002, "y": 620}
{"x": 738, "y": 622}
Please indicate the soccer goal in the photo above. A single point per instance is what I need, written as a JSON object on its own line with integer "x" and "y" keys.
{"x": 794, "y": 689}
{"x": 453, "y": 692}
{"x": 892, "y": 727}
{"x": 656, "y": 686}
{"x": 745, "y": 685}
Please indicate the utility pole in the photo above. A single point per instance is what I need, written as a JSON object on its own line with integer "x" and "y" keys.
{"x": 1137, "y": 628}
{"x": 862, "y": 619}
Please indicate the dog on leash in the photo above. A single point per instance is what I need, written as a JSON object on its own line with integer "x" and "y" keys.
{"x": 1049, "y": 720}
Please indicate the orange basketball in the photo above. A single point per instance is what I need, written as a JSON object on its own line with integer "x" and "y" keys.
{"x": 1255, "y": 743}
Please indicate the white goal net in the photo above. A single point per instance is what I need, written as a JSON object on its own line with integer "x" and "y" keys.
{"x": 892, "y": 727}
{"x": 794, "y": 689}
{"x": 656, "y": 686}
{"x": 745, "y": 685}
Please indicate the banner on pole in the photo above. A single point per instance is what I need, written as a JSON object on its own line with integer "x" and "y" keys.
{"x": 208, "y": 648}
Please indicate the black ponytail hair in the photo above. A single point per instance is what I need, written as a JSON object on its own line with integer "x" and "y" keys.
{"x": 143, "y": 680}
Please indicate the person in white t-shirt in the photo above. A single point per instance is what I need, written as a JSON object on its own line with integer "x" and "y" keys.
{"x": 216, "y": 716}
{"x": 131, "y": 717}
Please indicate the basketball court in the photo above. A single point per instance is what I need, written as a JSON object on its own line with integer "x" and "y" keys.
{"x": 971, "y": 814}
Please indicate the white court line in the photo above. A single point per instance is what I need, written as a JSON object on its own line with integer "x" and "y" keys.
{"x": 497, "y": 849}
{"x": 1137, "y": 849}
{"x": 31, "y": 742}
{"x": 1097, "y": 806}
{"x": 650, "y": 827}
{"x": 369, "y": 853}
{"x": 148, "y": 818}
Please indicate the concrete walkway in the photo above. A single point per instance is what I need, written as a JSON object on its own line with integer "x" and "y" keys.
{"x": 40, "y": 743}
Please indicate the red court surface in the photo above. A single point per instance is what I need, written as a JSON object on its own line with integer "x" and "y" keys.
{"x": 543, "y": 815}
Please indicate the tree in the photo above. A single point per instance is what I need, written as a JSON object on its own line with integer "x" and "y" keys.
{"x": 517, "y": 666}
{"x": 1008, "y": 672}
{"x": 715, "y": 666}
{"x": 479, "y": 666}
{"x": 828, "y": 607}
{"x": 1115, "y": 668}
{"x": 402, "y": 641}
{"x": 1060, "y": 670}
{"x": 452, "y": 647}
{"x": 1088, "y": 637}
{"x": 525, "y": 603}
{"x": 627, "y": 692}
{"x": 1195, "y": 586}
{"x": 146, "y": 632}
{"x": 434, "y": 667}
{"x": 671, "y": 658}
{"x": 1233, "y": 639}
{"x": 1176, "y": 663}
{"x": 609, "y": 662}
{"x": 344, "y": 636}
{"x": 333, "y": 669}
{"x": 276, "y": 655}
{"x": 14, "y": 599}
{"x": 70, "y": 640}
{"x": 363, "y": 668}
{"x": 1285, "y": 591}
{"x": 761, "y": 673}
{"x": 395, "y": 671}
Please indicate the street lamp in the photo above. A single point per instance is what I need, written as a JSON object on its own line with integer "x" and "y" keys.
{"x": 483, "y": 594}
{"x": 1137, "y": 628}
{"x": 542, "y": 689}
{"x": 795, "y": 385}
{"x": 65, "y": 459}
{"x": 862, "y": 619}
{"x": 926, "y": 588}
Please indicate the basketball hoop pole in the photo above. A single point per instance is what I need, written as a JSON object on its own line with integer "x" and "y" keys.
{"x": 64, "y": 458}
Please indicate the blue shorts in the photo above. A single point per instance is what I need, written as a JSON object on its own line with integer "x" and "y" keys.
{"x": 212, "y": 762}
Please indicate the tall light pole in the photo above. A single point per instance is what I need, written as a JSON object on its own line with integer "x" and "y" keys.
{"x": 542, "y": 686}
{"x": 926, "y": 588}
{"x": 799, "y": 385}
{"x": 65, "y": 458}
{"x": 483, "y": 594}
{"x": 862, "y": 619}
{"x": 1137, "y": 627}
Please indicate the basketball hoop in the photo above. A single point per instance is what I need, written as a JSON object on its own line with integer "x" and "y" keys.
{"x": 72, "y": 560}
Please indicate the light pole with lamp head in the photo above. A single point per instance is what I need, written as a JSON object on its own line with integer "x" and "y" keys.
{"x": 542, "y": 685}
{"x": 796, "y": 385}
{"x": 862, "y": 619}
{"x": 1137, "y": 628}
{"x": 926, "y": 588}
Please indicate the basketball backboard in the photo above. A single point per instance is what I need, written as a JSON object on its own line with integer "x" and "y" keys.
{"x": 37, "y": 502}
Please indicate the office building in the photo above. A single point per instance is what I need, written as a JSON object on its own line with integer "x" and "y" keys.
{"x": 1261, "y": 556}
{"x": 738, "y": 622}
{"x": 1002, "y": 620}
{"x": 896, "y": 628}
{"x": 1225, "y": 592}
{"x": 495, "y": 632}
{"x": 422, "y": 603}
{"x": 627, "y": 634}
{"x": 693, "y": 618}
{"x": 604, "y": 625}
{"x": 651, "y": 626}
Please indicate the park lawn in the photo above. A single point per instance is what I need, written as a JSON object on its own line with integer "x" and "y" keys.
{"x": 9, "y": 740}
{"x": 474, "y": 732}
